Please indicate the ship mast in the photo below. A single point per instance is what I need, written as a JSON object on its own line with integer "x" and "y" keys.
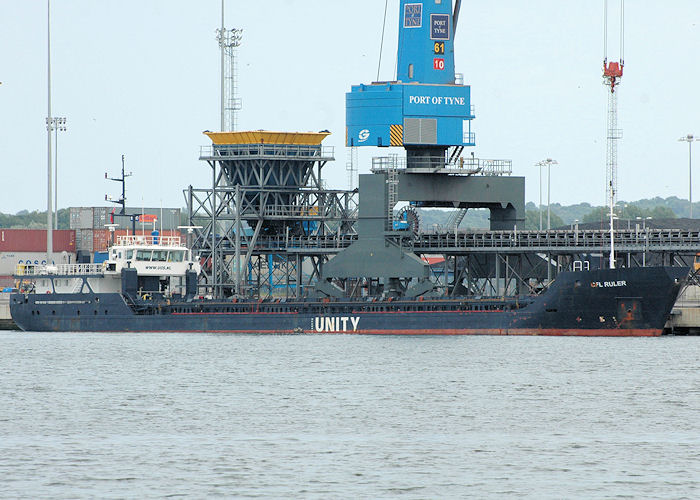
{"x": 612, "y": 77}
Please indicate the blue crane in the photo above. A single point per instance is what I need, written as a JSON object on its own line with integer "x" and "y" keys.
{"x": 427, "y": 109}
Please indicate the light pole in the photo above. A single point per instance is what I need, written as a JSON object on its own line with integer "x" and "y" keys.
{"x": 548, "y": 162}
{"x": 49, "y": 215}
{"x": 689, "y": 139}
{"x": 540, "y": 164}
{"x": 57, "y": 124}
{"x": 229, "y": 40}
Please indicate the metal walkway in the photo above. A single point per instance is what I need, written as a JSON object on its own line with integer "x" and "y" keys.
{"x": 463, "y": 242}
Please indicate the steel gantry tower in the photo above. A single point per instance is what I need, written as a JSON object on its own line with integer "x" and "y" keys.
{"x": 269, "y": 228}
{"x": 265, "y": 185}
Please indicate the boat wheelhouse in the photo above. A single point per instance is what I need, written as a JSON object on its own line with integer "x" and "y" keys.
{"x": 159, "y": 265}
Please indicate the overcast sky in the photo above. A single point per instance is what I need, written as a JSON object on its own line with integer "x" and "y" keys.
{"x": 141, "y": 78}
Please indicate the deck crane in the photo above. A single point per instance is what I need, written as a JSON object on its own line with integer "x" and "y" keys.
{"x": 612, "y": 77}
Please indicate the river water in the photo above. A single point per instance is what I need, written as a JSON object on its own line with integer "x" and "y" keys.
{"x": 154, "y": 415}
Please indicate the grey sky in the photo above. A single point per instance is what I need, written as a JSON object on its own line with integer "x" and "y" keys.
{"x": 141, "y": 78}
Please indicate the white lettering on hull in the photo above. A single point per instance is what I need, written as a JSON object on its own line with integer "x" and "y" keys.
{"x": 335, "y": 324}
{"x": 608, "y": 284}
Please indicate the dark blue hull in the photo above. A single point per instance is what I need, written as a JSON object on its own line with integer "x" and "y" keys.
{"x": 620, "y": 302}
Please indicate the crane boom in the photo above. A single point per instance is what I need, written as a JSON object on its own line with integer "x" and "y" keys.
{"x": 455, "y": 16}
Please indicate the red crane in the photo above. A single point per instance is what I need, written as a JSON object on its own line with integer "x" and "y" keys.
{"x": 612, "y": 77}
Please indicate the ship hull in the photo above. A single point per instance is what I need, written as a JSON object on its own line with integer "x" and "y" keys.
{"x": 620, "y": 302}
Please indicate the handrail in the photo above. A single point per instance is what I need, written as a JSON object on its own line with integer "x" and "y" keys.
{"x": 464, "y": 165}
{"x": 535, "y": 241}
{"x": 61, "y": 269}
{"x": 267, "y": 150}
{"x": 162, "y": 241}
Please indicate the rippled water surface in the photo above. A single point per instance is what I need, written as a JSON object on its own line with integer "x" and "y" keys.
{"x": 153, "y": 415}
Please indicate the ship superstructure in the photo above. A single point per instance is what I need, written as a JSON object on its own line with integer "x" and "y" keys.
{"x": 141, "y": 266}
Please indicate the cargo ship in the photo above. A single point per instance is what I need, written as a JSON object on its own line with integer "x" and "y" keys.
{"x": 268, "y": 216}
{"x": 149, "y": 284}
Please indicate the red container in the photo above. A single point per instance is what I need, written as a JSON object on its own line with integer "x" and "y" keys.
{"x": 34, "y": 240}
{"x": 100, "y": 240}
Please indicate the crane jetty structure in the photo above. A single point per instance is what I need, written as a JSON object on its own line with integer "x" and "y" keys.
{"x": 273, "y": 250}
{"x": 267, "y": 192}
{"x": 297, "y": 238}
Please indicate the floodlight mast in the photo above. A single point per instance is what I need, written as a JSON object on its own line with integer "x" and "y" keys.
{"x": 690, "y": 138}
{"x": 58, "y": 124}
{"x": 546, "y": 163}
{"x": 49, "y": 119}
{"x": 229, "y": 41}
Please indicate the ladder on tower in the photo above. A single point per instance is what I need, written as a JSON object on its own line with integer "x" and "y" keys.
{"x": 392, "y": 194}
{"x": 456, "y": 219}
{"x": 351, "y": 167}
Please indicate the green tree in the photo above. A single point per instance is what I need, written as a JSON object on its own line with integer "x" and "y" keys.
{"x": 33, "y": 220}
{"x": 596, "y": 215}
{"x": 662, "y": 213}
{"x": 532, "y": 220}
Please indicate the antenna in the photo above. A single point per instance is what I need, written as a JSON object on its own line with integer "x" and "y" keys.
{"x": 122, "y": 199}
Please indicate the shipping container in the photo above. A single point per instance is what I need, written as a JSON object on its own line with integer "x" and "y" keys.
{"x": 100, "y": 240}
{"x": 100, "y": 217}
{"x": 81, "y": 218}
{"x": 170, "y": 218}
{"x": 84, "y": 240}
{"x": 10, "y": 260}
{"x": 34, "y": 240}
{"x": 100, "y": 257}
{"x": 64, "y": 240}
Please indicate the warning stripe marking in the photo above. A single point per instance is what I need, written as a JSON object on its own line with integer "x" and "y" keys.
{"x": 396, "y": 133}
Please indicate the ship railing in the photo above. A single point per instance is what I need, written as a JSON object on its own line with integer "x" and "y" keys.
{"x": 632, "y": 240}
{"x": 162, "y": 241}
{"x": 651, "y": 239}
{"x": 61, "y": 269}
{"x": 468, "y": 165}
{"x": 243, "y": 151}
{"x": 308, "y": 212}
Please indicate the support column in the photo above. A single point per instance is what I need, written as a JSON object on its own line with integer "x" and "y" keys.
{"x": 237, "y": 257}
{"x": 214, "y": 256}
{"x": 498, "y": 275}
{"x": 299, "y": 276}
